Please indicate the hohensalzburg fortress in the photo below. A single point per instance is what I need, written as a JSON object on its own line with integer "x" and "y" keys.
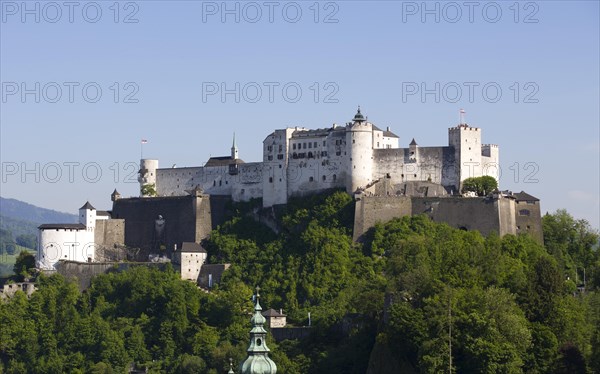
{"x": 299, "y": 161}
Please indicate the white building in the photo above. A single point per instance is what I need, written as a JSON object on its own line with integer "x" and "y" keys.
{"x": 190, "y": 259}
{"x": 68, "y": 241}
{"x": 299, "y": 161}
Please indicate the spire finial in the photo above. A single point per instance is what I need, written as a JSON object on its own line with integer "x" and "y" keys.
{"x": 234, "y": 149}
{"x": 230, "y": 366}
{"x": 257, "y": 292}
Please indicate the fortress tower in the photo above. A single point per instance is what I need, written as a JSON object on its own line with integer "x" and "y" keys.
{"x": 359, "y": 140}
{"x": 147, "y": 173}
{"x": 275, "y": 170}
{"x": 472, "y": 159}
{"x": 466, "y": 141}
{"x": 87, "y": 216}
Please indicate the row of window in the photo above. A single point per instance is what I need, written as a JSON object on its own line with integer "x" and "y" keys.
{"x": 311, "y": 179}
{"x": 304, "y": 145}
{"x": 270, "y": 148}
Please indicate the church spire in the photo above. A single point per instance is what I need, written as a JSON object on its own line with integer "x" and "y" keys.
{"x": 258, "y": 361}
{"x": 234, "y": 149}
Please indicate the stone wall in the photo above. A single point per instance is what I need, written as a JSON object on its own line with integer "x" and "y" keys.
{"x": 484, "y": 214}
{"x": 83, "y": 272}
{"x": 528, "y": 219}
{"x": 187, "y": 219}
{"x": 372, "y": 209}
{"x": 109, "y": 237}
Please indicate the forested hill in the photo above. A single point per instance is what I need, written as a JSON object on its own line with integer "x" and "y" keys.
{"x": 23, "y": 211}
{"x": 19, "y": 222}
{"x": 385, "y": 306}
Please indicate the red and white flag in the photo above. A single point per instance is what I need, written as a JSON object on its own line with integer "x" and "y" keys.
{"x": 144, "y": 141}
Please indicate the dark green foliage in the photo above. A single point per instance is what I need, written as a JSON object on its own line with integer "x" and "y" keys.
{"x": 27, "y": 241}
{"x": 480, "y": 185}
{"x": 23, "y": 265}
{"x": 393, "y": 304}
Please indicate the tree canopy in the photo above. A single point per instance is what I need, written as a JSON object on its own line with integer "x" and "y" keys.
{"x": 417, "y": 296}
{"x": 480, "y": 185}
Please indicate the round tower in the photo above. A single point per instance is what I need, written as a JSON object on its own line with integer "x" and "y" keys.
{"x": 147, "y": 176}
{"x": 359, "y": 140}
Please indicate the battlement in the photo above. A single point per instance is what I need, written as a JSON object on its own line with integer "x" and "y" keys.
{"x": 463, "y": 126}
{"x": 489, "y": 146}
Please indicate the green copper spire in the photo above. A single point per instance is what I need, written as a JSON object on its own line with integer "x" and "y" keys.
{"x": 258, "y": 361}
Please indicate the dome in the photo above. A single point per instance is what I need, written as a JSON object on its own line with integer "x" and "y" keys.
{"x": 358, "y": 117}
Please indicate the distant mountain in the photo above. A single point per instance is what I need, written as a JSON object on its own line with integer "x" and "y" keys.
{"x": 21, "y": 211}
{"x": 18, "y": 227}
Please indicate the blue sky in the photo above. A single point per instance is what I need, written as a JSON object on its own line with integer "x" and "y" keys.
{"x": 542, "y": 57}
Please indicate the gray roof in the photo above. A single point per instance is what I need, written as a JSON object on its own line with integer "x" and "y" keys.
{"x": 272, "y": 313}
{"x": 413, "y": 142}
{"x": 387, "y": 133}
{"x": 192, "y": 247}
{"x": 103, "y": 213}
{"x": 222, "y": 161}
{"x": 390, "y": 134}
{"x": 51, "y": 226}
{"x": 87, "y": 205}
{"x": 524, "y": 196}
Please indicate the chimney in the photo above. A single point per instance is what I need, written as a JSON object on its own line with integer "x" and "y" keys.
{"x": 280, "y": 311}
{"x": 388, "y": 128}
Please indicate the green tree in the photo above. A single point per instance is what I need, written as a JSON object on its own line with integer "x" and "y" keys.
{"x": 149, "y": 190}
{"x": 27, "y": 241}
{"x": 480, "y": 185}
{"x": 24, "y": 263}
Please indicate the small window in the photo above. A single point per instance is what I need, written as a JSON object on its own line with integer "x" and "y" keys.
{"x": 309, "y": 145}
{"x": 324, "y": 178}
{"x": 311, "y": 179}
{"x": 270, "y": 179}
{"x": 280, "y": 157}
{"x": 294, "y": 146}
{"x": 315, "y": 145}
{"x": 334, "y": 177}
